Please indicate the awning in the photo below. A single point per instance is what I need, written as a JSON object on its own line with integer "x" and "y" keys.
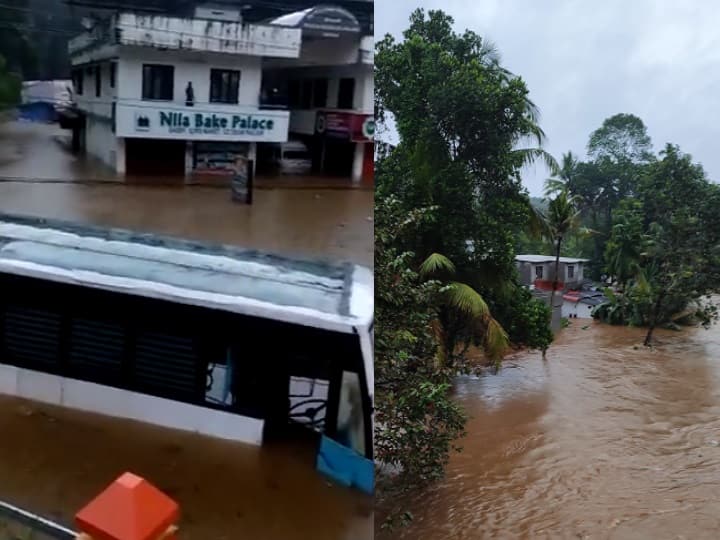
{"x": 321, "y": 21}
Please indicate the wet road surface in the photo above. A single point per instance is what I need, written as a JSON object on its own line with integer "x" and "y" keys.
{"x": 328, "y": 223}
{"x": 602, "y": 441}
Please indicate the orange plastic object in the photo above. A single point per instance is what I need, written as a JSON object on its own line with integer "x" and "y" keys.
{"x": 129, "y": 509}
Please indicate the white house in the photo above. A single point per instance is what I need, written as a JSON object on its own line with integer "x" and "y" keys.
{"x": 539, "y": 270}
{"x": 167, "y": 95}
{"x": 329, "y": 90}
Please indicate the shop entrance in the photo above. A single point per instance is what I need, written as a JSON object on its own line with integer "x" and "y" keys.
{"x": 339, "y": 155}
{"x": 154, "y": 157}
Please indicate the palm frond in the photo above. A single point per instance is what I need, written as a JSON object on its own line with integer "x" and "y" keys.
{"x": 537, "y": 223}
{"x": 436, "y": 264}
{"x": 467, "y": 300}
{"x": 496, "y": 340}
{"x": 528, "y": 156}
{"x": 554, "y": 186}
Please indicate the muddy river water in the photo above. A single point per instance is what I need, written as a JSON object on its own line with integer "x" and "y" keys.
{"x": 604, "y": 440}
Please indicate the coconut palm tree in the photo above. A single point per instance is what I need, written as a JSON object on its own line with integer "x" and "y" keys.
{"x": 564, "y": 176}
{"x": 463, "y": 315}
{"x": 561, "y": 219}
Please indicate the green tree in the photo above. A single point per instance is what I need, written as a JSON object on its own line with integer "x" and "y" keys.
{"x": 466, "y": 127}
{"x": 10, "y": 87}
{"x": 622, "y": 138}
{"x": 675, "y": 222}
{"x": 416, "y": 420}
{"x": 561, "y": 219}
{"x": 463, "y": 317}
{"x": 624, "y": 248}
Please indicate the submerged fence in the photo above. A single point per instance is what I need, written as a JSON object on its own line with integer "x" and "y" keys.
{"x": 149, "y": 515}
{"x": 19, "y": 524}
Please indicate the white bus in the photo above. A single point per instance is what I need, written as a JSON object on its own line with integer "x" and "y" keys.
{"x": 227, "y": 342}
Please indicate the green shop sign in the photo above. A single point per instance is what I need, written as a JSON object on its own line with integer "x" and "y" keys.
{"x": 206, "y": 123}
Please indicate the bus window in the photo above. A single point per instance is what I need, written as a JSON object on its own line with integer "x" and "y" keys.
{"x": 218, "y": 382}
{"x": 350, "y": 420}
{"x": 308, "y": 402}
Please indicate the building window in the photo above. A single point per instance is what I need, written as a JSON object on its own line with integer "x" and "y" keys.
{"x": 346, "y": 94}
{"x": 320, "y": 92}
{"x": 224, "y": 85}
{"x": 571, "y": 271}
{"x": 294, "y": 94}
{"x": 538, "y": 272}
{"x": 306, "y": 95}
{"x": 158, "y": 82}
{"x": 113, "y": 73}
{"x": 98, "y": 81}
{"x": 78, "y": 81}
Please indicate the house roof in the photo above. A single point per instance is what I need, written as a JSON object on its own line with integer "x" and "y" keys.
{"x": 547, "y": 258}
{"x": 590, "y": 298}
{"x": 336, "y": 296}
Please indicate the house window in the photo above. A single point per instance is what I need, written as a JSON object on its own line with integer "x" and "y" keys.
{"x": 98, "y": 81}
{"x": 113, "y": 74}
{"x": 320, "y": 92}
{"x": 224, "y": 85}
{"x": 346, "y": 94}
{"x": 158, "y": 82}
{"x": 571, "y": 271}
{"x": 538, "y": 272}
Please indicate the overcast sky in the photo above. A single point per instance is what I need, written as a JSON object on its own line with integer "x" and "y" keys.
{"x": 585, "y": 61}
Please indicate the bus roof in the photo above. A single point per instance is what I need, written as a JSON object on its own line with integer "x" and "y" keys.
{"x": 334, "y": 296}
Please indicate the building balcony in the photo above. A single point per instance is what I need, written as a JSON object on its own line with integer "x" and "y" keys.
{"x": 190, "y": 34}
{"x": 202, "y": 121}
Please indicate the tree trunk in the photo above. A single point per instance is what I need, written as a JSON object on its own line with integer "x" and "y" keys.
{"x": 648, "y": 336}
{"x": 653, "y": 321}
{"x": 558, "y": 243}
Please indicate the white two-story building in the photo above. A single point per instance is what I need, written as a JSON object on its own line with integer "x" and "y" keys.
{"x": 329, "y": 90}
{"x": 174, "y": 96}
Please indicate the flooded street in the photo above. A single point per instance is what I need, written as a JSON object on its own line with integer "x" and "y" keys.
{"x": 38, "y": 177}
{"x": 602, "y": 441}
{"x": 53, "y": 460}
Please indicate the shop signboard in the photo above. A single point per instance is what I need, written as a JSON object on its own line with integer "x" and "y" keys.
{"x": 345, "y": 125}
{"x": 189, "y": 123}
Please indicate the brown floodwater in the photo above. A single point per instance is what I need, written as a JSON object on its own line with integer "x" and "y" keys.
{"x": 604, "y": 440}
{"x": 54, "y": 460}
{"x": 39, "y": 177}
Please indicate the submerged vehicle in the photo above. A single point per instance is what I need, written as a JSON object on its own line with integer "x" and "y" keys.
{"x": 232, "y": 343}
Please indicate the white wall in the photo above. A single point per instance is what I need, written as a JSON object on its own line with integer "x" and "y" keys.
{"x": 124, "y": 404}
{"x": 578, "y": 309}
{"x": 303, "y": 120}
{"x": 100, "y": 142}
{"x": 189, "y": 67}
{"x": 88, "y": 100}
{"x": 205, "y": 35}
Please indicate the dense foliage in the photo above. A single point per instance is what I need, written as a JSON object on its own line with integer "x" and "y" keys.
{"x": 664, "y": 247}
{"x": 463, "y": 120}
{"x": 416, "y": 420}
{"x": 450, "y": 210}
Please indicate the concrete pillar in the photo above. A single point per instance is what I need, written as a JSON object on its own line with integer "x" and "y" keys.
{"x": 252, "y": 155}
{"x": 188, "y": 159}
{"x": 357, "y": 166}
{"x": 120, "y": 156}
